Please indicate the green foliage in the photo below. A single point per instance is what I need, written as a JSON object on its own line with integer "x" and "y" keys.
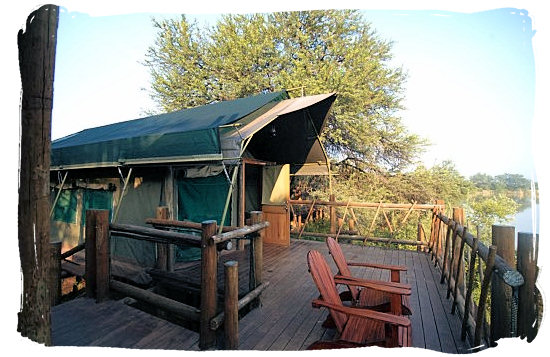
{"x": 318, "y": 51}
{"x": 487, "y": 211}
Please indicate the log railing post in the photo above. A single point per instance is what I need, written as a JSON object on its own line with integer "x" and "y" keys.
{"x": 527, "y": 266}
{"x": 470, "y": 288}
{"x": 333, "y": 217}
{"x": 503, "y": 237}
{"x": 420, "y": 237}
{"x": 458, "y": 216}
{"x": 209, "y": 262}
{"x": 103, "y": 256}
{"x": 90, "y": 256}
{"x": 162, "y": 249}
{"x": 459, "y": 272}
{"x": 55, "y": 273}
{"x": 480, "y": 317}
{"x": 97, "y": 269}
{"x": 231, "y": 305}
{"x": 256, "y": 251}
{"x": 444, "y": 269}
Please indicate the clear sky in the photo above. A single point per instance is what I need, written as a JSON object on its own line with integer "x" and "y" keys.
{"x": 470, "y": 89}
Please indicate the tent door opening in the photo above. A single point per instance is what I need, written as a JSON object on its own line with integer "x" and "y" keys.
{"x": 275, "y": 197}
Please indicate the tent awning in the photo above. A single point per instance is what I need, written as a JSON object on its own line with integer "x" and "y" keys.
{"x": 286, "y": 133}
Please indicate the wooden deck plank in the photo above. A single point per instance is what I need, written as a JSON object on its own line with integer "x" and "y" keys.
{"x": 431, "y": 340}
{"x": 82, "y": 322}
{"x": 285, "y": 320}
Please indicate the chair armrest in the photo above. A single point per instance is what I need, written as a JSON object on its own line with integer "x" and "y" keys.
{"x": 365, "y": 313}
{"x": 378, "y": 266}
{"x": 379, "y": 282}
{"x": 374, "y": 285}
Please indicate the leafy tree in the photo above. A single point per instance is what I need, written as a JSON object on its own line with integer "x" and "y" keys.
{"x": 486, "y": 211}
{"x": 317, "y": 51}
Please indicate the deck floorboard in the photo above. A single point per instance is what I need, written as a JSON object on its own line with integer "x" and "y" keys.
{"x": 284, "y": 321}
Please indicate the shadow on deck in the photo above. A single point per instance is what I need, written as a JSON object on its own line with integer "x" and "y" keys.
{"x": 285, "y": 320}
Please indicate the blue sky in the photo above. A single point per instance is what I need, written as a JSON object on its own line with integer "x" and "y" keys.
{"x": 470, "y": 90}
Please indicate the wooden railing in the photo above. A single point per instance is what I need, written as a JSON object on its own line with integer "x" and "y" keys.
{"x": 511, "y": 286}
{"x": 99, "y": 281}
{"x": 314, "y": 209}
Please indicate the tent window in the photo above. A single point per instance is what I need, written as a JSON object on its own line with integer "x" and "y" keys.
{"x": 97, "y": 199}
{"x": 65, "y": 208}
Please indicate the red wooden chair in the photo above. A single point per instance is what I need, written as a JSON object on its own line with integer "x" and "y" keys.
{"x": 371, "y": 298}
{"x": 356, "y": 326}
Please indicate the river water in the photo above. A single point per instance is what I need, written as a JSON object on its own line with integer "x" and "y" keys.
{"x": 523, "y": 221}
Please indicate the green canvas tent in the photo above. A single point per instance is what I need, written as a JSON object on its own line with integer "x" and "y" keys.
{"x": 188, "y": 160}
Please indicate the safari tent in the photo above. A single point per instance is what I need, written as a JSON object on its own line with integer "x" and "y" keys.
{"x": 214, "y": 162}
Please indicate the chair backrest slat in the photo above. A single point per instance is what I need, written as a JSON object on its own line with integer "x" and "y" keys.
{"x": 336, "y": 251}
{"x": 323, "y": 278}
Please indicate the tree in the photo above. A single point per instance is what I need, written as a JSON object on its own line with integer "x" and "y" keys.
{"x": 316, "y": 51}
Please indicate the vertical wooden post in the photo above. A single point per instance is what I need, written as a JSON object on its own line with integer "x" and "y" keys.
{"x": 351, "y": 224}
{"x": 526, "y": 305}
{"x": 55, "y": 273}
{"x": 458, "y": 216}
{"x": 501, "y": 294}
{"x": 437, "y": 239}
{"x": 460, "y": 270}
{"x": 103, "y": 256}
{"x": 37, "y": 45}
{"x": 444, "y": 269}
{"x": 231, "y": 305}
{"x": 333, "y": 217}
{"x": 257, "y": 253}
{"x": 209, "y": 266}
{"x": 470, "y": 288}
{"x": 489, "y": 265}
{"x": 420, "y": 237}
{"x": 90, "y": 242}
{"x": 162, "y": 212}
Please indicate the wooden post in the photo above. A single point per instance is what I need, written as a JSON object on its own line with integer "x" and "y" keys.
{"x": 459, "y": 272}
{"x": 527, "y": 317}
{"x": 162, "y": 249}
{"x": 444, "y": 269}
{"x": 231, "y": 305}
{"x": 90, "y": 242}
{"x": 333, "y": 217}
{"x": 36, "y": 64}
{"x": 351, "y": 225}
{"x": 420, "y": 237}
{"x": 483, "y": 295}
{"x": 257, "y": 254}
{"x": 458, "y": 216}
{"x": 470, "y": 288}
{"x": 501, "y": 294}
{"x": 103, "y": 256}
{"x": 55, "y": 273}
{"x": 209, "y": 262}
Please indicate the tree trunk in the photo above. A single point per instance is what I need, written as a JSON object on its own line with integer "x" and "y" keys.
{"x": 36, "y": 63}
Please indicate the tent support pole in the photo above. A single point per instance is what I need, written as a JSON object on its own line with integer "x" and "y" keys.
{"x": 244, "y": 144}
{"x": 58, "y": 193}
{"x": 122, "y": 194}
{"x": 228, "y": 199}
{"x": 324, "y": 151}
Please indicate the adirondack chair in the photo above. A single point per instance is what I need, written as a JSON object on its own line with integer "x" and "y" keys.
{"x": 356, "y": 326}
{"x": 371, "y": 298}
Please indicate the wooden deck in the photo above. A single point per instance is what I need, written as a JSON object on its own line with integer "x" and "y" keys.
{"x": 285, "y": 321}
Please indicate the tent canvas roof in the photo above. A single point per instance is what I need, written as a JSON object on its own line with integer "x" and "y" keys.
{"x": 187, "y": 135}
